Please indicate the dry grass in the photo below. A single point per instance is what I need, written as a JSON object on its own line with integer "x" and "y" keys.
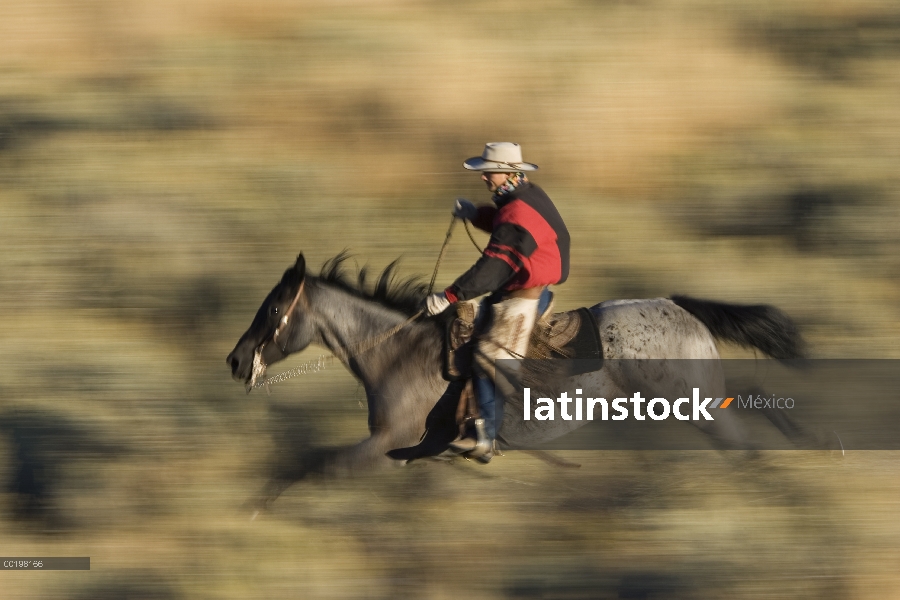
{"x": 161, "y": 163}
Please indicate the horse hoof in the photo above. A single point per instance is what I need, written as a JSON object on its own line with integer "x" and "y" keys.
{"x": 256, "y": 507}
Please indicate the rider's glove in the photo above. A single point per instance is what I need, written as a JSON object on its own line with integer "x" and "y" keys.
{"x": 436, "y": 303}
{"x": 465, "y": 210}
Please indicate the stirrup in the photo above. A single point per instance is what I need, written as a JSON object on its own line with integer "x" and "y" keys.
{"x": 474, "y": 447}
{"x": 481, "y": 448}
{"x": 463, "y": 444}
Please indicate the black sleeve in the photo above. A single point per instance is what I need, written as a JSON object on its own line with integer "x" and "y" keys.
{"x": 500, "y": 262}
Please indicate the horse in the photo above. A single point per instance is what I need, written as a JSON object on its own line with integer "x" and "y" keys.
{"x": 378, "y": 336}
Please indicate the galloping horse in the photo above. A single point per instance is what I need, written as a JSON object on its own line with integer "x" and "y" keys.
{"x": 398, "y": 358}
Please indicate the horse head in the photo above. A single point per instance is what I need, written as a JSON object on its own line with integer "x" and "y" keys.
{"x": 280, "y": 328}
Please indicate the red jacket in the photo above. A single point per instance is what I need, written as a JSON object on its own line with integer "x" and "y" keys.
{"x": 529, "y": 246}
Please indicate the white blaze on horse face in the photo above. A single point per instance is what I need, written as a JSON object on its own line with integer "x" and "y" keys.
{"x": 259, "y": 369}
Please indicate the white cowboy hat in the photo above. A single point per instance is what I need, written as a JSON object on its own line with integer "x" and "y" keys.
{"x": 499, "y": 157}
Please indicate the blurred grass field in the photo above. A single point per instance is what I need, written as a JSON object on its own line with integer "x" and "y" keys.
{"x": 162, "y": 163}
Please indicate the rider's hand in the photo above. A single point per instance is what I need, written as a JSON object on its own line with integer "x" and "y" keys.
{"x": 436, "y": 303}
{"x": 465, "y": 209}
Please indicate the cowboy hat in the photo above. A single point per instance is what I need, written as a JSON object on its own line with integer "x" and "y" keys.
{"x": 499, "y": 157}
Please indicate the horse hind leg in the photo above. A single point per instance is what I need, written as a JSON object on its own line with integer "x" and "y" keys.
{"x": 800, "y": 436}
{"x": 725, "y": 431}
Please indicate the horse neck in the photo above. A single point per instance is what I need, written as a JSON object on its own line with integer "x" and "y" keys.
{"x": 344, "y": 325}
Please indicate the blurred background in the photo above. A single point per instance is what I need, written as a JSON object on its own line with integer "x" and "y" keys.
{"x": 161, "y": 164}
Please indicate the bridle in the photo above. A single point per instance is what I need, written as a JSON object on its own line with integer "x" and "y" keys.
{"x": 259, "y": 365}
{"x": 258, "y": 372}
{"x": 287, "y": 316}
{"x": 257, "y": 375}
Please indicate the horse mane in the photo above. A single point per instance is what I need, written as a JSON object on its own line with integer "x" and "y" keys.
{"x": 403, "y": 295}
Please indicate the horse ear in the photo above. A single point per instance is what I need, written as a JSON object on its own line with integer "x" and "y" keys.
{"x": 294, "y": 276}
{"x": 300, "y": 267}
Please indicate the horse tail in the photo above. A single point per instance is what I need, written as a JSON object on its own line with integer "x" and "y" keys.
{"x": 759, "y": 326}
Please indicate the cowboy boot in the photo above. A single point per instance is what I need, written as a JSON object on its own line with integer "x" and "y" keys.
{"x": 481, "y": 446}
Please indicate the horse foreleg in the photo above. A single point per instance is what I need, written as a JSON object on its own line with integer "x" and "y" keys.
{"x": 366, "y": 456}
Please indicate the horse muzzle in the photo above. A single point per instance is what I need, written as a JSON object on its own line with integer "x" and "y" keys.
{"x": 241, "y": 365}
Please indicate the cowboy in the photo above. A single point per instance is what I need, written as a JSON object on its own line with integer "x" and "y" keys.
{"x": 528, "y": 251}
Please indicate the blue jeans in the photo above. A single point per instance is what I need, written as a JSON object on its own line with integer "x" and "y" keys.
{"x": 491, "y": 410}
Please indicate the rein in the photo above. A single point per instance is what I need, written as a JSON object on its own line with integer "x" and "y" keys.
{"x": 287, "y": 316}
{"x": 258, "y": 378}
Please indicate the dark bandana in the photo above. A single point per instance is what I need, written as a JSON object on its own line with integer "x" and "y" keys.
{"x": 515, "y": 180}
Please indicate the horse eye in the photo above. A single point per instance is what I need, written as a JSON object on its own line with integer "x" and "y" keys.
{"x": 273, "y": 310}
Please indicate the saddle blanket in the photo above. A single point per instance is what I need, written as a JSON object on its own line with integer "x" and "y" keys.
{"x": 569, "y": 335}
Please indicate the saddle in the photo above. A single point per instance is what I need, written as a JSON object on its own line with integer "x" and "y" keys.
{"x": 567, "y": 335}
{"x": 571, "y": 335}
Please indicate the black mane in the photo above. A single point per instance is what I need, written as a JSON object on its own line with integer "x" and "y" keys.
{"x": 405, "y": 295}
